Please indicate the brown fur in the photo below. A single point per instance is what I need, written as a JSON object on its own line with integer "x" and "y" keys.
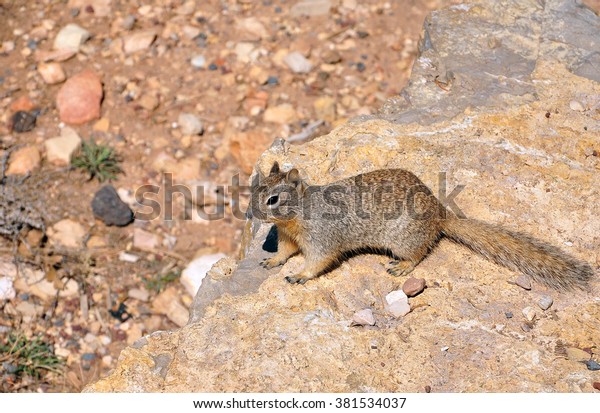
{"x": 401, "y": 217}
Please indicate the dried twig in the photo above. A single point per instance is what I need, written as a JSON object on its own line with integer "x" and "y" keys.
{"x": 307, "y": 132}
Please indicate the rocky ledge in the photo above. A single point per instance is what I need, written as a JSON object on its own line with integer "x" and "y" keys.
{"x": 505, "y": 99}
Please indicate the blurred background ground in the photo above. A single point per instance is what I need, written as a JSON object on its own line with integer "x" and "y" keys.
{"x": 198, "y": 89}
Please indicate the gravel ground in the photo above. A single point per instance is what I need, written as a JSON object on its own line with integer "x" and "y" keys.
{"x": 172, "y": 87}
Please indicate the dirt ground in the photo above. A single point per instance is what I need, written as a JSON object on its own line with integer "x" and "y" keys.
{"x": 245, "y": 95}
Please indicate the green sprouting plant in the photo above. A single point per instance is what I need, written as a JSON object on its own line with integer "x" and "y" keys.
{"x": 21, "y": 355}
{"x": 99, "y": 161}
{"x": 158, "y": 282}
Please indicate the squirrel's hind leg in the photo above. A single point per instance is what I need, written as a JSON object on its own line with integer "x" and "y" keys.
{"x": 399, "y": 268}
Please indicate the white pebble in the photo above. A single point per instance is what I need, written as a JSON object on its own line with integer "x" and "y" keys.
{"x": 190, "y": 124}
{"x": 545, "y": 302}
{"x": 529, "y": 313}
{"x": 297, "y": 62}
{"x": 127, "y": 257}
{"x": 576, "y": 106}
{"x": 397, "y": 303}
{"x": 198, "y": 61}
{"x": 364, "y": 318}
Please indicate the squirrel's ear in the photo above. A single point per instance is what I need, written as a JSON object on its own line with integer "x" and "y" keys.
{"x": 257, "y": 179}
{"x": 293, "y": 177}
{"x": 274, "y": 169}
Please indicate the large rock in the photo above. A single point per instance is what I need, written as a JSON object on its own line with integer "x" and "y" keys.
{"x": 78, "y": 100}
{"x": 497, "y": 121}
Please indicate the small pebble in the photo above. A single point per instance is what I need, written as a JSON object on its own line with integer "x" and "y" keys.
{"x": 107, "y": 361}
{"x": 592, "y": 365}
{"x": 576, "y": 106}
{"x": 138, "y": 41}
{"x": 297, "y": 62}
{"x": 88, "y": 356}
{"x": 523, "y": 282}
{"x": 413, "y": 286}
{"x": 526, "y": 328}
{"x": 52, "y": 73}
{"x": 212, "y": 67}
{"x": 397, "y": 303}
{"x": 529, "y": 313}
{"x": 597, "y": 385}
{"x": 140, "y": 294}
{"x": 545, "y": 302}
{"x": 23, "y": 121}
{"x": 331, "y": 57}
{"x": 272, "y": 80}
{"x": 363, "y": 318}
{"x": 71, "y": 37}
{"x": 360, "y": 66}
{"x": 198, "y": 61}
{"x": 190, "y": 124}
{"x": 126, "y": 257}
{"x": 508, "y": 314}
{"x": 128, "y": 22}
{"x": 105, "y": 340}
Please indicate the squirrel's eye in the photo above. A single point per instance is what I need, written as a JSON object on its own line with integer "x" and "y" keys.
{"x": 273, "y": 200}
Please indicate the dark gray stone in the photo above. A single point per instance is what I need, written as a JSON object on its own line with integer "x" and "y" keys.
{"x": 592, "y": 365}
{"x": 108, "y": 207}
{"x": 23, "y": 121}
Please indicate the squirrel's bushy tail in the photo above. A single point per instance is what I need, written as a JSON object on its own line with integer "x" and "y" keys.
{"x": 544, "y": 263}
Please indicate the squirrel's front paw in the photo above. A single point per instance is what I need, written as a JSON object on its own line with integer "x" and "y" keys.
{"x": 269, "y": 263}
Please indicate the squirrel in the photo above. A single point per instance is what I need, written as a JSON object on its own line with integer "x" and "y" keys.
{"x": 391, "y": 212}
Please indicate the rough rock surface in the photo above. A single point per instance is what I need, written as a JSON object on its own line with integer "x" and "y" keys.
{"x": 494, "y": 114}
